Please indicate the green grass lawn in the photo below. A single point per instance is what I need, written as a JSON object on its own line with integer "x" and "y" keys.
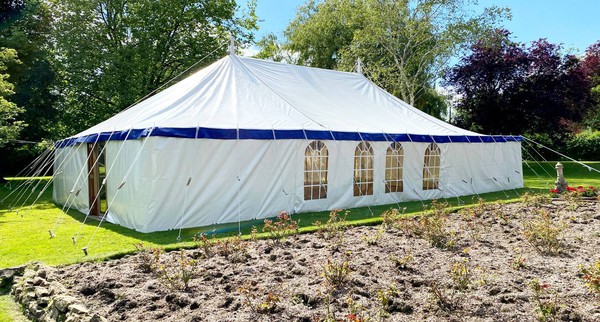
{"x": 24, "y": 235}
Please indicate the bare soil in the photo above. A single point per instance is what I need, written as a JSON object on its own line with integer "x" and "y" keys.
{"x": 394, "y": 274}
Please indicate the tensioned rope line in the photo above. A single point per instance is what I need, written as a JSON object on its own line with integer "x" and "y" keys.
{"x": 29, "y": 182}
{"x": 74, "y": 192}
{"x": 108, "y": 172}
{"x": 48, "y": 167}
{"x": 414, "y": 189}
{"x": 471, "y": 174}
{"x": 403, "y": 168}
{"x": 29, "y": 169}
{"x": 171, "y": 79}
{"x": 385, "y": 182}
{"x": 564, "y": 156}
{"x": 542, "y": 157}
{"x": 187, "y": 187}
{"x": 84, "y": 249}
{"x": 447, "y": 188}
{"x": 500, "y": 167}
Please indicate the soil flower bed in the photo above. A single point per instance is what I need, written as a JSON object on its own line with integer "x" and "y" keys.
{"x": 515, "y": 262}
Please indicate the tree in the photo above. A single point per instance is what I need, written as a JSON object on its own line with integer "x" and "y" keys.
{"x": 532, "y": 90}
{"x": 9, "y": 126}
{"x": 404, "y": 44}
{"x": 591, "y": 65}
{"x": 113, "y": 52}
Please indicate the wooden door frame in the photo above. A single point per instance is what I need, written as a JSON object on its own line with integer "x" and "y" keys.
{"x": 93, "y": 179}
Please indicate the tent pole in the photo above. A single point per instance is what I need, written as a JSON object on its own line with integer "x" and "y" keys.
{"x": 187, "y": 187}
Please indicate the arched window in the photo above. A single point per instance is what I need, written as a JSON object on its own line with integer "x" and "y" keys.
{"x": 315, "y": 171}
{"x": 394, "y": 158}
{"x": 431, "y": 167}
{"x": 363, "y": 169}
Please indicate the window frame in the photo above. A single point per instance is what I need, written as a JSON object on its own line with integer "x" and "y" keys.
{"x": 363, "y": 178}
{"x": 432, "y": 160}
{"x": 316, "y": 166}
{"x": 394, "y": 168}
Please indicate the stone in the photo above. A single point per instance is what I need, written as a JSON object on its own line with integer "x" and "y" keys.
{"x": 97, "y": 318}
{"x": 78, "y": 309}
{"x": 56, "y": 288}
{"x": 35, "y": 310}
{"x": 38, "y": 281}
{"x": 41, "y": 292}
{"x": 62, "y": 302}
{"x": 42, "y": 273}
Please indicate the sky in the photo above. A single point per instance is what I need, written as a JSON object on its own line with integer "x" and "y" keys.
{"x": 573, "y": 23}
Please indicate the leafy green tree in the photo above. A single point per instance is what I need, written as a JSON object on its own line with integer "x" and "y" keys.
{"x": 9, "y": 126}
{"x": 404, "y": 45}
{"x": 113, "y": 52}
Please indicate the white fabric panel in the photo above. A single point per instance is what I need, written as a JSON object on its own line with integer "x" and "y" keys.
{"x": 238, "y": 92}
{"x": 271, "y": 178}
{"x": 70, "y": 176}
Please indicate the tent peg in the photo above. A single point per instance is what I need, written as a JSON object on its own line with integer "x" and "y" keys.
{"x": 84, "y": 249}
{"x": 51, "y": 234}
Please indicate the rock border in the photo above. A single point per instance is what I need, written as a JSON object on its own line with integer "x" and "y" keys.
{"x": 43, "y": 298}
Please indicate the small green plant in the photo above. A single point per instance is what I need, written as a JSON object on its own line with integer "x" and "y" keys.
{"x": 543, "y": 234}
{"x": 148, "y": 258}
{"x": 233, "y": 248}
{"x": 254, "y": 233}
{"x": 385, "y": 299}
{"x": 260, "y": 301}
{"x": 434, "y": 225}
{"x": 336, "y": 272}
{"x": 591, "y": 276}
{"x": 461, "y": 273}
{"x": 403, "y": 262}
{"x": 545, "y": 300}
{"x": 536, "y": 200}
{"x": 445, "y": 299}
{"x": 335, "y": 227}
{"x": 373, "y": 239}
{"x": 205, "y": 244}
{"x": 179, "y": 275}
{"x": 518, "y": 261}
{"x": 476, "y": 211}
{"x": 358, "y": 313}
{"x": 281, "y": 227}
{"x": 391, "y": 217}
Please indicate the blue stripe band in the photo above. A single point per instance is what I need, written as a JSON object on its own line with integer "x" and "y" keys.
{"x": 246, "y": 134}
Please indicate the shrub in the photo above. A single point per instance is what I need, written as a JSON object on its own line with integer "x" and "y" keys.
{"x": 392, "y": 217}
{"x": 336, "y": 272}
{"x": 445, "y": 299}
{"x": 335, "y": 226}
{"x": 202, "y": 242}
{"x": 543, "y": 234}
{"x": 373, "y": 239}
{"x": 536, "y": 200}
{"x": 233, "y": 248}
{"x": 591, "y": 276}
{"x": 281, "y": 227}
{"x": 148, "y": 257}
{"x": 461, "y": 274}
{"x": 258, "y": 300}
{"x": 545, "y": 300}
{"x": 403, "y": 262}
{"x": 585, "y": 145}
{"x": 434, "y": 229}
{"x": 178, "y": 276}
